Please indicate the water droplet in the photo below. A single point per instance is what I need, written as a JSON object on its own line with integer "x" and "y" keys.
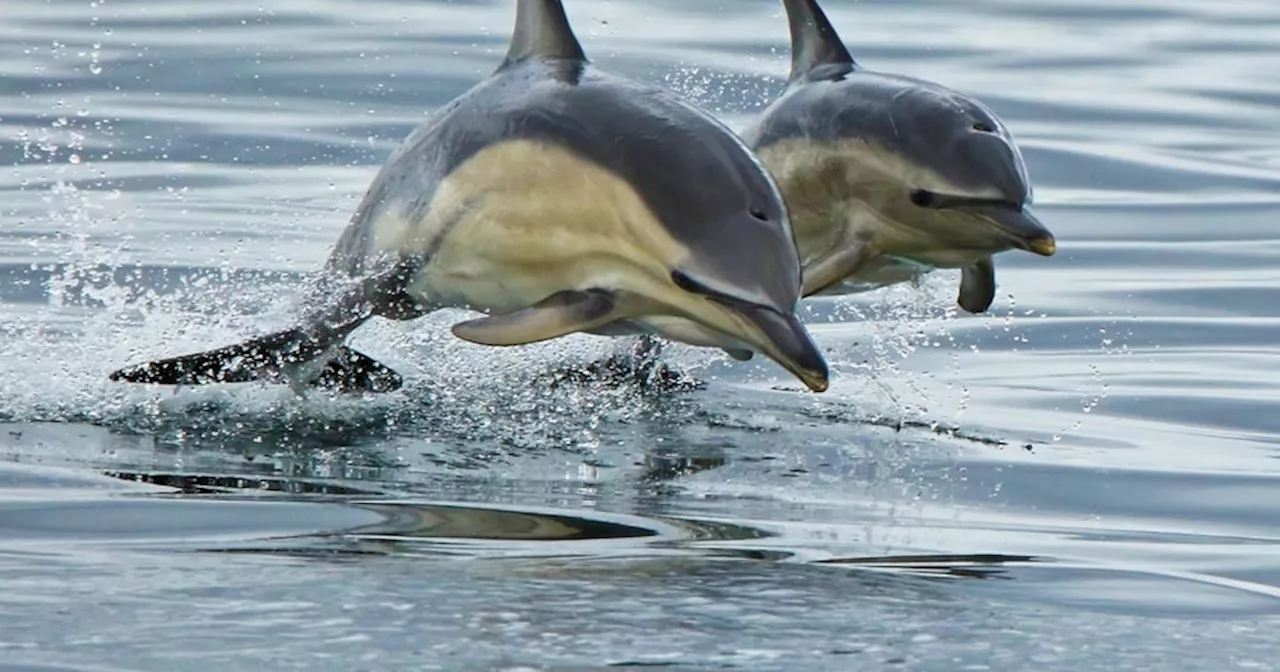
{"x": 74, "y": 158}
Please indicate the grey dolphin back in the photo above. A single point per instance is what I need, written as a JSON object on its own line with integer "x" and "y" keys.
{"x": 814, "y": 41}
{"x": 542, "y": 31}
{"x": 637, "y": 132}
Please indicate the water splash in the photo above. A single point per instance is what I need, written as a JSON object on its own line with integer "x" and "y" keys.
{"x": 101, "y": 314}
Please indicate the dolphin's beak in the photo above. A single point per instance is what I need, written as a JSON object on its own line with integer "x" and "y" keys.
{"x": 727, "y": 322}
{"x": 784, "y": 339}
{"x": 1022, "y": 227}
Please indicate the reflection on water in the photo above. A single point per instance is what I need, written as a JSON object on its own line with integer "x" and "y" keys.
{"x": 201, "y": 484}
{"x": 432, "y": 528}
{"x": 977, "y": 566}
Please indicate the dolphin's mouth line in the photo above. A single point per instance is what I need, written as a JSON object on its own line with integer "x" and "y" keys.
{"x": 932, "y": 199}
{"x": 1009, "y": 218}
{"x": 1025, "y": 232}
{"x": 801, "y": 359}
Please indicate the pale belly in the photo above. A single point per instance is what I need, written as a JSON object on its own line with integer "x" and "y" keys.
{"x": 882, "y": 272}
{"x": 945, "y": 258}
{"x": 903, "y": 252}
{"x": 689, "y": 332}
{"x": 477, "y": 284}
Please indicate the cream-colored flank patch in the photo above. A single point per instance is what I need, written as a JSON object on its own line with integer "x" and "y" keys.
{"x": 836, "y": 190}
{"x": 854, "y": 193}
{"x": 523, "y": 219}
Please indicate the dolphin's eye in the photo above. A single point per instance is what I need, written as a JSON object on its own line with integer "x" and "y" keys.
{"x": 759, "y": 214}
{"x": 922, "y": 198}
{"x": 983, "y": 127}
{"x": 686, "y": 283}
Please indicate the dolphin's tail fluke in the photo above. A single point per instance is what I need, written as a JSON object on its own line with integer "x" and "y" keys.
{"x": 291, "y": 355}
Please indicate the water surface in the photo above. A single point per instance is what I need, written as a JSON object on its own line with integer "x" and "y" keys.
{"x": 1085, "y": 478}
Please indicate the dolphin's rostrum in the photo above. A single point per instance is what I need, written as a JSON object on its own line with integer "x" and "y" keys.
{"x": 557, "y": 199}
{"x": 888, "y": 176}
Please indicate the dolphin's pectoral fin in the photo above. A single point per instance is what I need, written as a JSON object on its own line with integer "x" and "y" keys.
{"x": 740, "y": 355}
{"x": 560, "y": 314}
{"x": 836, "y": 268}
{"x": 977, "y": 286}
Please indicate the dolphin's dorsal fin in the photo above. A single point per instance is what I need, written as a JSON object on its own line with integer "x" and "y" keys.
{"x": 814, "y": 42}
{"x": 542, "y": 31}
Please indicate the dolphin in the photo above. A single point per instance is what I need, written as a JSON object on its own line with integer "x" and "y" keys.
{"x": 555, "y": 198}
{"x": 888, "y": 177}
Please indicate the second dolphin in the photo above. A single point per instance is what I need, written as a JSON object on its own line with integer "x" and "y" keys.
{"x": 887, "y": 177}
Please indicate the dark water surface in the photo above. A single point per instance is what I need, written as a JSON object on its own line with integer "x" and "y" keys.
{"x": 1086, "y": 478}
